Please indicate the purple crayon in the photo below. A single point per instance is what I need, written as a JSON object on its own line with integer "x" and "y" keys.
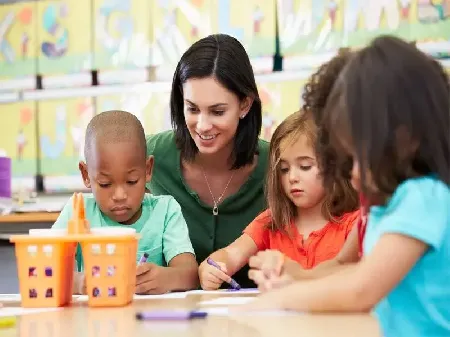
{"x": 170, "y": 315}
{"x": 143, "y": 258}
{"x": 233, "y": 283}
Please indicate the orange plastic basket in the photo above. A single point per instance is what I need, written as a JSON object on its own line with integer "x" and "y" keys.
{"x": 110, "y": 268}
{"x": 45, "y": 268}
{"x": 46, "y": 258}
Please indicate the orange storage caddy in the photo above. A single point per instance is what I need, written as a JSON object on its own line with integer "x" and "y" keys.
{"x": 46, "y": 261}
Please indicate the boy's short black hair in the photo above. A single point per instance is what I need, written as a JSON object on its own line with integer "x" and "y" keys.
{"x": 112, "y": 127}
{"x": 391, "y": 106}
{"x": 223, "y": 57}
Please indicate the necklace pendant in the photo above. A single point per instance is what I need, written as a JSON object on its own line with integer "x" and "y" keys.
{"x": 215, "y": 210}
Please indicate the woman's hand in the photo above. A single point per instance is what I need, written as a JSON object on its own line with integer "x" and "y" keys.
{"x": 211, "y": 278}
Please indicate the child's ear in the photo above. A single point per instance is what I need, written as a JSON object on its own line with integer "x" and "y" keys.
{"x": 149, "y": 168}
{"x": 84, "y": 174}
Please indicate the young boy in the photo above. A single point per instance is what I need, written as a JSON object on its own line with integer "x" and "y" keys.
{"x": 116, "y": 170}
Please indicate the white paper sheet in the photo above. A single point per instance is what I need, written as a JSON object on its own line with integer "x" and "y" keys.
{"x": 84, "y": 298}
{"x": 228, "y": 301}
{"x": 225, "y": 311}
{"x": 18, "y": 311}
{"x": 5, "y": 298}
{"x": 225, "y": 292}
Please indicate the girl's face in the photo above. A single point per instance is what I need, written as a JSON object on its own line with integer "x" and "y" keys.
{"x": 212, "y": 114}
{"x": 299, "y": 172}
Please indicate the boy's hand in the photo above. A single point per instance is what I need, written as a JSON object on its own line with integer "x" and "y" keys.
{"x": 212, "y": 278}
{"x": 79, "y": 284}
{"x": 152, "y": 279}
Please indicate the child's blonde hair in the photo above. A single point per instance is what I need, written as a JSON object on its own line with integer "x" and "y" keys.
{"x": 340, "y": 198}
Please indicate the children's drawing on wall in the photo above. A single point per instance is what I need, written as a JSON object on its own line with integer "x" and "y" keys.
{"x": 169, "y": 42}
{"x": 24, "y": 18}
{"x": 429, "y": 11}
{"x": 59, "y": 43}
{"x": 54, "y": 147}
{"x": 21, "y": 143}
{"x": 26, "y": 115}
{"x": 85, "y": 111}
{"x": 258, "y": 17}
{"x": 332, "y": 9}
{"x": 405, "y": 7}
{"x": 271, "y": 103}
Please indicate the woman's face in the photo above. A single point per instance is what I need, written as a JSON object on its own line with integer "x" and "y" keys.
{"x": 212, "y": 114}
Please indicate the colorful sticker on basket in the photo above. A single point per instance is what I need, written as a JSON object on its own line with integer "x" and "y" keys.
{"x": 96, "y": 271}
{"x": 111, "y": 270}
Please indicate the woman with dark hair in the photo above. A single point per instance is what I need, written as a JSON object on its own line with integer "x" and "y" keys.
{"x": 213, "y": 162}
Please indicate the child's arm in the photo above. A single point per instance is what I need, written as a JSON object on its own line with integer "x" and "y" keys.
{"x": 236, "y": 255}
{"x": 400, "y": 239}
{"x": 230, "y": 259}
{"x": 272, "y": 262}
{"x": 356, "y": 288}
{"x": 182, "y": 270}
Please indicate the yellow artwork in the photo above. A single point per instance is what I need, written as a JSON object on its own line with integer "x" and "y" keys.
{"x": 18, "y": 140}
{"x": 252, "y": 22}
{"x": 122, "y": 34}
{"x": 65, "y": 36}
{"x": 18, "y": 41}
{"x": 62, "y": 125}
{"x": 151, "y": 108}
{"x": 279, "y": 100}
{"x": 194, "y": 19}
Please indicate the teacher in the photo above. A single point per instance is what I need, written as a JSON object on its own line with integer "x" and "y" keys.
{"x": 213, "y": 162}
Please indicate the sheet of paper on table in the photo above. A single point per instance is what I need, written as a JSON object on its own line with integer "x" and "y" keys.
{"x": 18, "y": 311}
{"x": 84, "y": 298}
{"x": 225, "y": 311}
{"x": 228, "y": 301}
{"x": 225, "y": 291}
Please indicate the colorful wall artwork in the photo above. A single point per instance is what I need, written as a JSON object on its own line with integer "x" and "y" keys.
{"x": 19, "y": 140}
{"x": 62, "y": 125}
{"x": 64, "y": 36}
{"x": 18, "y": 40}
{"x": 122, "y": 34}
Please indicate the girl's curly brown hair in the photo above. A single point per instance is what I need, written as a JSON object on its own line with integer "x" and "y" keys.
{"x": 335, "y": 170}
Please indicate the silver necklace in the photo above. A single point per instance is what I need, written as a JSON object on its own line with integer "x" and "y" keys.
{"x": 216, "y": 202}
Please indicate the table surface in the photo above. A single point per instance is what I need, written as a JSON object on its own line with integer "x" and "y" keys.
{"x": 29, "y": 217}
{"x": 80, "y": 320}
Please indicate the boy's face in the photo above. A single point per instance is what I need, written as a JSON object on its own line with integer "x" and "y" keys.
{"x": 117, "y": 173}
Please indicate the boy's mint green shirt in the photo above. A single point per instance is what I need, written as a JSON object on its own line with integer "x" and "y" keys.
{"x": 163, "y": 230}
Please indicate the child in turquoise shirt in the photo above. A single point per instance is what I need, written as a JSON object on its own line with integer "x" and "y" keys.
{"x": 389, "y": 110}
{"x": 116, "y": 170}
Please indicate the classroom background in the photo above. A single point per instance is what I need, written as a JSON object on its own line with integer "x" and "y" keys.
{"x": 63, "y": 61}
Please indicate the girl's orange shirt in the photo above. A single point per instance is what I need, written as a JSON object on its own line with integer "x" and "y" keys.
{"x": 321, "y": 245}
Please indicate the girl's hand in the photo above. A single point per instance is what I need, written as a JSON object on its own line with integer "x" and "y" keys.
{"x": 211, "y": 278}
{"x": 269, "y": 261}
{"x": 265, "y": 283}
{"x": 152, "y": 279}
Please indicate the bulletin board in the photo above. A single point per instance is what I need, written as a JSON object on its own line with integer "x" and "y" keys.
{"x": 64, "y": 36}
{"x": 19, "y": 140}
{"x": 62, "y": 124}
{"x": 18, "y": 40}
{"x": 307, "y": 26}
{"x": 279, "y": 99}
{"x": 151, "y": 108}
{"x": 122, "y": 34}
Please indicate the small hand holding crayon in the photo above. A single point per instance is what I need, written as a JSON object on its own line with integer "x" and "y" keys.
{"x": 151, "y": 279}
{"x": 212, "y": 274}
{"x": 270, "y": 262}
